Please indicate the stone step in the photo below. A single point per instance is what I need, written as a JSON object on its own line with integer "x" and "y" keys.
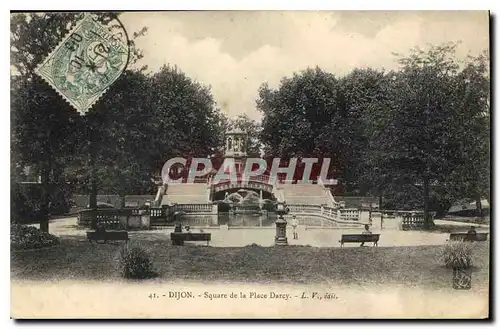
{"x": 186, "y": 193}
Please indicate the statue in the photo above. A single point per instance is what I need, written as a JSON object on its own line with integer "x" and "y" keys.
{"x": 236, "y": 143}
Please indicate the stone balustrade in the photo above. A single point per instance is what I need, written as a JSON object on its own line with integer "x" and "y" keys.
{"x": 304, "y": 208}
{"x": 225, "y": 185}
{"x": 340, "y": 214}
{"x": 205, "y": 207}
{"x": 349, "y": 214}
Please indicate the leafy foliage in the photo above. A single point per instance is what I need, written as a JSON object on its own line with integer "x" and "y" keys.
{"x": 134, "y": 262}
{"x": 120, "y": 146}
{"x": 26, "y": 202}
{"x": 418, "y": 136}
{"x": 301, "y": 117}
{"x": 29, "y": 237}
{"x": 46, "y": 131}
{"x": 457, "y": 254}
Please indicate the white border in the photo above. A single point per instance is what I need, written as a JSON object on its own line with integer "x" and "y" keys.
{"x": 201, "y": 5}
{"x": 257, "y": 5}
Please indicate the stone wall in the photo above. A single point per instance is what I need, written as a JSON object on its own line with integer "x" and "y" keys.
{"x": 82, "y": 201}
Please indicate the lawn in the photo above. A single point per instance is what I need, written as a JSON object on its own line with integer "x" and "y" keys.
{"x": 415, "y": 266}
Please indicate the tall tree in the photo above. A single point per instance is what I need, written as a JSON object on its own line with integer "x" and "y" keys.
{"x": 298, "y": 114}
{"x": 358, "y": 91}
{"x": 415, "y": 137}
{"x": 39, "y": 116}
{"x": 44, "y": 127}
{"x": 183, "y": 119}
{"x": 471, "y": 179}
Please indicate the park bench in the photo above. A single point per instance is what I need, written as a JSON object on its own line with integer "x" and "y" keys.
{"x": 468, "y": 236}
{"x": 358, "y": 238}
{"x": 178, "y": 238}
{"x": 107, "y": 236}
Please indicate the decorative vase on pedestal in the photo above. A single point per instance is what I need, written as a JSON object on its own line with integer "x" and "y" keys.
{"x": 462, "y": 278}
{"x": 280, "y": 239}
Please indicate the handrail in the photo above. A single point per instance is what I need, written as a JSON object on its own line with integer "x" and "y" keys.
{"x": 159, "y": 195}
{"x": 194, "y": 207}
{"x": 340, "y": 214}
{"x": 259, "y": 178}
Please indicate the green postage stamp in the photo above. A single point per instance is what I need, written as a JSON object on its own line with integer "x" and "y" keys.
{"x": 85, "y": 63}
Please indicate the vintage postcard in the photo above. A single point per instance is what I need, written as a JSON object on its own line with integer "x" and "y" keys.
{"x": 250, "y": 164}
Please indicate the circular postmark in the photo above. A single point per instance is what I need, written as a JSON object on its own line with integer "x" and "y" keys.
{"x": 89, "y": 59}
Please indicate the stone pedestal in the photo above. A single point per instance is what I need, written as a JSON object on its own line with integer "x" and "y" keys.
{"x": 123, "y": 221}
{"x": 134, "y": 221}
{"x": 145, "y": 222}
{"x": 364, "y": 215}
{"x": 280, "y": 239}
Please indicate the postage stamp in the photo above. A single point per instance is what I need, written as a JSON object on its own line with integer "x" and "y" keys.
{"x": 85, "y": 63}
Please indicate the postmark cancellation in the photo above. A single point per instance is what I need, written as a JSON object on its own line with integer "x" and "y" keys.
{"x": 85, "y": 63}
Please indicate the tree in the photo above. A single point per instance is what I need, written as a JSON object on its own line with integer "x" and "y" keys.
{"x": 471, "y": 179}
{"x": 146, "y": 119}
{"x": 45, "y": 128}
{"x": 416, "y": 136}
{"x": 358, "y": 91}
{"x": 185, "y": 121}
{"x": 317, "y": 114}
{"x": 122, "y": 119}
{"x": 299, "y": 113}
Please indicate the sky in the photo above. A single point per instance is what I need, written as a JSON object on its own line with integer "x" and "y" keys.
{"x": 234, "y": 52}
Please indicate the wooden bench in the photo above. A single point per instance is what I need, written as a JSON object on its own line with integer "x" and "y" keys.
{"x": 178, "y": 238}
{"x": 108, "y": 236}
{"x": 358, "y": 238}
{"x": 468, "y": 237}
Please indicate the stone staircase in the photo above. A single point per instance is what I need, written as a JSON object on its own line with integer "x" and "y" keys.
{"x": 313, "y": 194}
{"x": 186, "y": 194}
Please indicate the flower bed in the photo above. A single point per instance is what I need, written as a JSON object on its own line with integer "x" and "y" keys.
{"x": 29, "y": 237}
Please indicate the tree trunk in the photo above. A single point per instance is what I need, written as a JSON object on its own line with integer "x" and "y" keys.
{"x": 426, "y": 202}
{"x": 479, "y": 206}
{"x": 122, "y": 200}
{"x": 45, "y": 197}
{"x": 93, "y": 188}
{"x": 93, "y": 175}
{"x": 45, "y": 184}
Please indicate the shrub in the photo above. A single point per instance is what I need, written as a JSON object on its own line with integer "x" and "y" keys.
{"x": 135, "y": 263}
{"x": 29, "y": 237}
{"x": 457, "y": 254}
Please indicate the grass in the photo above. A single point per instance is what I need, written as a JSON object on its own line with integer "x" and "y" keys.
{"x": 416, "y": 266}
{"x": 421, "y": 266}
{"x": 471, "y": 220}
{"x": 445, "y": 228}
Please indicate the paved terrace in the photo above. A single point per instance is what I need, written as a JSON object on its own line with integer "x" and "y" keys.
{"x": 315, "y": 237}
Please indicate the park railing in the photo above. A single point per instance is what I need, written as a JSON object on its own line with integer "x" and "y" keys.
{"x": 188, "y": 208}
{"x": 349, "y": 214}
{"x": 114, "y": 218}
{"x": 414, "y": 221}
{"x": 304, "y": 208}
{"x": 341, "y": 214}
{"x": 155, "y": 213}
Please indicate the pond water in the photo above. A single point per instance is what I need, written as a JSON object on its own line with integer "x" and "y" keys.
{"x": 246, "y": 220}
